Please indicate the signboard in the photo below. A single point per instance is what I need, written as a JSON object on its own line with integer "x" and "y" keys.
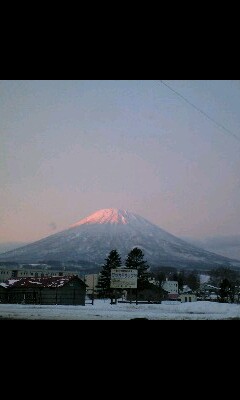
{"x": 124, "y": 278}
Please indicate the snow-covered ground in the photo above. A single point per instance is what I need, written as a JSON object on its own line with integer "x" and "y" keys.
{"x": 103, "y": 310}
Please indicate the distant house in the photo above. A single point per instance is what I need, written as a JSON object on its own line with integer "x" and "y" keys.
{"x": 171, "y": 287}
{"x": 208, "y": 288}
{"x": 186, "y": 289}
{"x": 67, "y": 290}
{"x": 209, "y": 292}
{"x": 187, "y": 297}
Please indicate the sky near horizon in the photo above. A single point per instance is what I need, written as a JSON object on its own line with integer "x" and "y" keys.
{"x": 69, "y": 148}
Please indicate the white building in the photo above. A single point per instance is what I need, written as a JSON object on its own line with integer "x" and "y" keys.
{"x": 91, "y": 281}
{"x": 186, "y": 297}
{"x": 170, "y": 286}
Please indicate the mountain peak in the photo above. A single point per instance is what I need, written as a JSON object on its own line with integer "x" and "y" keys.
{"x": 106, "y": 216}
{"x": 91, "y": 239}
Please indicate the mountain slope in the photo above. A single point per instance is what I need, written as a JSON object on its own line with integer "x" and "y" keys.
{"x": 227, "y": 246}
{"x": 7, "y": 246}
{"x": 92, "y": 238}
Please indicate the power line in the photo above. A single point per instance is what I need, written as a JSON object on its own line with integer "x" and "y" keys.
{"x": 201, "y": 111}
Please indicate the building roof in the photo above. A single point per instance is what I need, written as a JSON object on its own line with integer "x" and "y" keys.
{"x": 43, "y": 282}
{"x": 172, "y": 296}
{"x": 186, "y": 289}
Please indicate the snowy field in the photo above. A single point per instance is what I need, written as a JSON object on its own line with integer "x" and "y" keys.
{"x": 103, "y": 310}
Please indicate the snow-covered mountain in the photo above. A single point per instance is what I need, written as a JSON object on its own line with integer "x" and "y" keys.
{"x": 227, "y": 246}
{"x": 92, "y": 238}
{"x": 7, "y": 246}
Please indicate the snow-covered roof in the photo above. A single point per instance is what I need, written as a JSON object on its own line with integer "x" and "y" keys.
{"x": 208, "y": 286}
{"x": 186, "y": 289}
{"x": 44, "y": 282}
{"x": 3, "y": 284}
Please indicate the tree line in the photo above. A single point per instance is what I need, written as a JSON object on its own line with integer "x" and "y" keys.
{"x": 134, "y": 260}
{"x": 228, "y": 281}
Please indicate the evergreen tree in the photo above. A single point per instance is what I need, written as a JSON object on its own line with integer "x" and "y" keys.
{"x": 226, "y": 291}
{"x": 219, "y": 274}
{"x": 179, "y": 277}
{"x": 112, "y": 261}
{"x": 135, "y": 260}
{"x": 160, "y": 277}
{"x": 193, "y": 281}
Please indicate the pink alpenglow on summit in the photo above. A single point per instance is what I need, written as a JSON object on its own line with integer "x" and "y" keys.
{"x": 107, "y": 216}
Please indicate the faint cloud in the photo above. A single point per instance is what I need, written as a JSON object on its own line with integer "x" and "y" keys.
{"x": 53, "y": 226}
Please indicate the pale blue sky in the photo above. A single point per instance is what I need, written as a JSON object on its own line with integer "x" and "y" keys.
{"x": 69, "y": 148}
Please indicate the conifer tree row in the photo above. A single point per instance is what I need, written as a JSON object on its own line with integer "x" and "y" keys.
{"x": 134, "y": 260}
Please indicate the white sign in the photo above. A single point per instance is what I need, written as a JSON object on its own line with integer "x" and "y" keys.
{"x": 124, "y": 278}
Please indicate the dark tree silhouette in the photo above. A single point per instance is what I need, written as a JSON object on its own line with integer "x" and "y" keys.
{"x": 135, "y": 260}
{"x": 226, "y": 291}
{"x": 112, "y": 261}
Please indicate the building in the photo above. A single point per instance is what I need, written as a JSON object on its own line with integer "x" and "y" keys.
{"x": 91, "y": 281}
{"x": 7, "y": 273}
{"x": 187, "y": 297}
{"x": 66, "y": 290}
{"x": 208, "y": 292}
{"x": 171, "y": 287}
